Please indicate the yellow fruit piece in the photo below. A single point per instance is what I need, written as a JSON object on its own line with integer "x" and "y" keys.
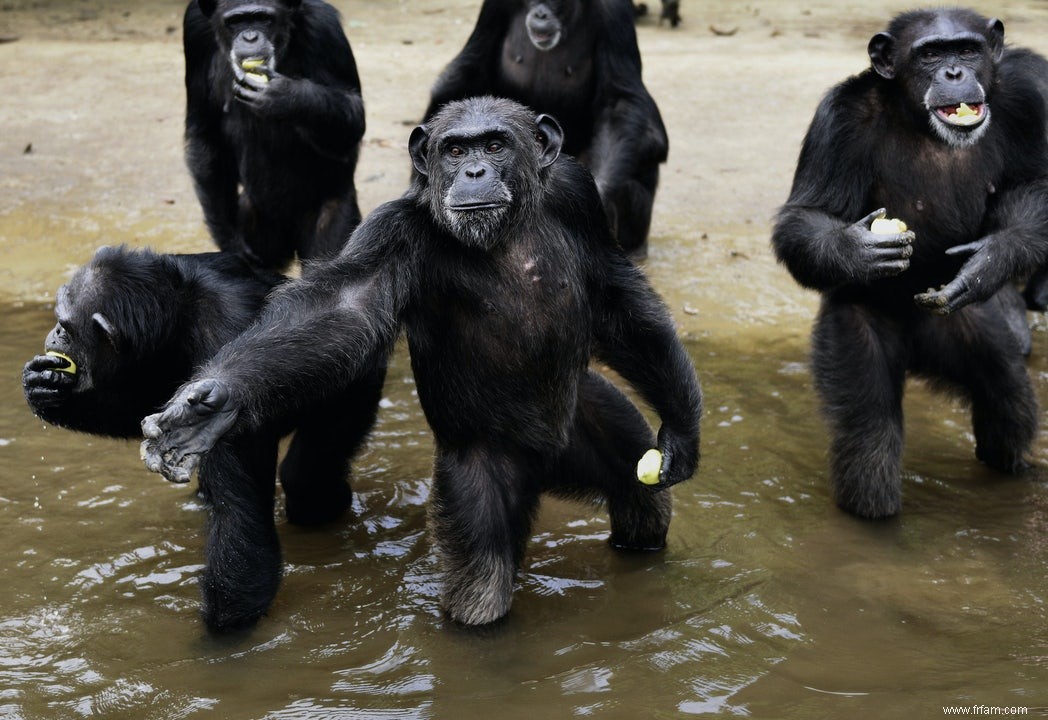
{"x": 252, "y": 63}
{"x": 72, "y": 365}
{"x": 648, "y": 467}
{"x": 963, "y": 109}
{"x": 257, "y": 76}
{"x": 887, "y": 226}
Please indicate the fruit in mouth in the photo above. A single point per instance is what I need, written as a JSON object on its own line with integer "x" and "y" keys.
{"x": 250, "y": 64}
{"x": 71, "y": 368}
{"x": 963, "y": 114}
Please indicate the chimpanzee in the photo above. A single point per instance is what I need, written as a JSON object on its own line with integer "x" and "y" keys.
{"x": 274, "y": 120}
{"x": 500, "y": 265}
{"x": 670, "y": 11}
{"x": 134, "y": 325}
{"x": 578, "y": 61}
{"x": 945, "y": 131}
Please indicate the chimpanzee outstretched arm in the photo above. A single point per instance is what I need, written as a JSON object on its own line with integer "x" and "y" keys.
{"x": 1017, "y": 248}
{"x": 316, "y": 335}
{"x": 209, "y": 156}
{"x": 469, "y": 73}
{"x": 323, "y": 103}
{"x": 628, "y": 133}
{"x": 822, "y": 234}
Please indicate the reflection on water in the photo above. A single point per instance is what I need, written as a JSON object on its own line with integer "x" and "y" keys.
{"x": 768, "y": 601}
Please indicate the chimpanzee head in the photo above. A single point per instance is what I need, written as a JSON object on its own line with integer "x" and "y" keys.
{"x": 945, "y": 61}
{"x": 483, "y": 164}
{"x": 548, "y": 20}
{"x": 251, "y": 29}
{"x": 110, "y": 315}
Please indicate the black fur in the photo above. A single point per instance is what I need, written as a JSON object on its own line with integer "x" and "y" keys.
{"x": 290, "y": 141}
{"x": 501, "y": 325}
{"x": 977, "y": 210}
{"x": 590, "y": 82}
{"x": 138, "y": 324}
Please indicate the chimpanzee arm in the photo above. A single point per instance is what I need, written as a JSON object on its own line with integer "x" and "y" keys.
{"x": 470, "y": 73}
{"x": 316, "y": 335}
{"x": 628, "y": 133}
{"x": 1018, "y": 247}
{"x": 822, "y": 234}
{"x": 634, "y": 333}
{"x": 209, "y": 157}
{"x": 56, "y": 397}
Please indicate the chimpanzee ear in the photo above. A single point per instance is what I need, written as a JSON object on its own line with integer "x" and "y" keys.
{"x": 207, "y": 7}
{"x": 882, "y": 53}
{"x": 550, "y": 137}
{"x": 417, "y": 148}
{"x": 995, "y": 38}
{"x": 108, "y": 329}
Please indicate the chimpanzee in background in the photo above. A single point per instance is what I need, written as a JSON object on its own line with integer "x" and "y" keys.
{"x": 670, "y": 11}
{"x": 499, "y": 264}
{"x": 137, "y": 324}
{"x": 947, "y": 132}
{"x": 578, "y": 61}
{"x": 274, "y": 120}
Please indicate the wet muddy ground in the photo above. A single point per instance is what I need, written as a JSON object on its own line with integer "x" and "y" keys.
{"x": 768, "y": 601}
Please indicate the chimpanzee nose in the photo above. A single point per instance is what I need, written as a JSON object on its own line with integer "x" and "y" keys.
{"x": 954, "y": 73}
{"x": 250, "y": 36}
{"x": 475, "y": 171}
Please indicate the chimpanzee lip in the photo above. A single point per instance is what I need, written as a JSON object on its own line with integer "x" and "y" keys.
{"x": 466, "y": 207}
{"x": 948, "y": 115}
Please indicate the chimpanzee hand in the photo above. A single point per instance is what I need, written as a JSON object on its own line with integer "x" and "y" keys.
{"x": 189, "y": 426}
{"x": 264, "y": 90}
{"x": 680, "y": 457}
{"x": 44, "y": 383}
{"x": 977, "y": 280}
{"x": 879, "y": 255}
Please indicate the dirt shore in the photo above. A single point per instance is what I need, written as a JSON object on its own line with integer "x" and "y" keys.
{"x": 93, "y": 102}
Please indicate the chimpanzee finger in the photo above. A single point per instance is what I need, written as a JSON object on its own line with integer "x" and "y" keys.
{"x": 968, "y": 248}
{"x": 903, "y": 239}
{"x": 878, "y": 213}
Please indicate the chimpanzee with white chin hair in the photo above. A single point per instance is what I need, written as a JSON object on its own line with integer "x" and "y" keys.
{"x": 946, "y": 131}
{"x": 499, "y": 264}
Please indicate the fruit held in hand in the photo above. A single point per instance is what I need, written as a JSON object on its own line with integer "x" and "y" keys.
{"x": 887, "y": 226}
{"x": 71, "y": 368}
{"x": 648, "y": 467}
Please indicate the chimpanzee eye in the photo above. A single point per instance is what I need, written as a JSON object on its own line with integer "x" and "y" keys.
{"x": 455, "y": 151}
{"x": 969, "y": 53}
{"x": 494, "y": 147}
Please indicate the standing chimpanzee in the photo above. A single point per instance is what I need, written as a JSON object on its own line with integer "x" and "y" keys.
{"x": 499, "y": 263}
{"x": 946, "y": 131}
{"x": 578, "y": 61}
{"x": 274, "y": 120}
{"x": 132, "y": 327}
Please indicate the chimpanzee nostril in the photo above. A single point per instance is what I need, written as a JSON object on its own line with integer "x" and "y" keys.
{"x": 475, "y": 172}
{"x": 250, "y": 36}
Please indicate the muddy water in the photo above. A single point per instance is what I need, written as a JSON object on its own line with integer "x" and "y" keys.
{"x": 768, "y": 602}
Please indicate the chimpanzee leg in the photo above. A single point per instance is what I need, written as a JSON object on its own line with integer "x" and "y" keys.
{"x": 482, "y": 509}
{"x": 315, "y": 471}
{"x": 859, "y": 365}
{"x": 243, "y": 564}
{"x": 975, "y": 350}
{"x": 633, "y": 204}
{"x": 608, "y": 438}
{"x": 335, "y": 222}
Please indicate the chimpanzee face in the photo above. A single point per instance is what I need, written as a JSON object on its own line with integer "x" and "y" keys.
{"x": 945, "y": 62}
{"x": 83, "y": 332}
{"x": 483, "y": 164}
{"x": 251, "y": 30}
{"x": 548, "y": 20}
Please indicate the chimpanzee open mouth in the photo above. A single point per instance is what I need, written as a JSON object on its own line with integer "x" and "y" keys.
{"x": 544, "y": 40}
{"x": 962, "y": 115}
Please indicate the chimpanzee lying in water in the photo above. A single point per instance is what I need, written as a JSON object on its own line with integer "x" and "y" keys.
{"x": 132, "y": 327}
{"x": 499, "y": 264}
